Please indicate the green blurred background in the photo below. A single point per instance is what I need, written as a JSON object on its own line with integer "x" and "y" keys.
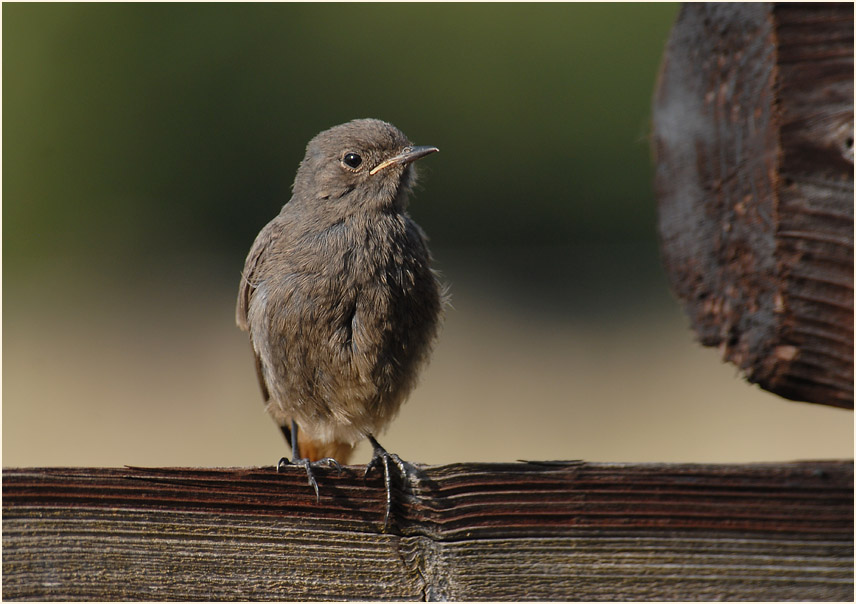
{"x": 144, "y": 146}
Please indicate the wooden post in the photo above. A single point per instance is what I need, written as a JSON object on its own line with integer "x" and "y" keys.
{"x": 753, "y": 140}
{"x": 539, "y": 530}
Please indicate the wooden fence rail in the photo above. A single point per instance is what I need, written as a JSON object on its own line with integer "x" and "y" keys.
{"x": 523, "y": 531}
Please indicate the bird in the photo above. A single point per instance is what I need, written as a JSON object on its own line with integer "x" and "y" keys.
{"x": 340, "y": 299}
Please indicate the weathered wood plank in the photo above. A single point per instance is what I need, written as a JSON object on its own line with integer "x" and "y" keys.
{"x": 753, "y": 140}
{"x": 525, "y": 531}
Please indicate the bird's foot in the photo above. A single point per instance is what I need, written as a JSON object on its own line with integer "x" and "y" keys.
{"x": 309, "y": 466}
{"x": 382, "y": 459}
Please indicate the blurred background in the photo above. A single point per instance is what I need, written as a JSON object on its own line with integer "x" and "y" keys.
{"x": 145, "y": 145}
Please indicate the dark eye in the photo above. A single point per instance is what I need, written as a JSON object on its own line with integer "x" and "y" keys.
{"x": 352, "y": 160}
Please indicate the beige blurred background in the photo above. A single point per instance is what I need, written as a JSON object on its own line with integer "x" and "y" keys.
{"x": 157, "y": 374}
{"x": 144, "y": 146}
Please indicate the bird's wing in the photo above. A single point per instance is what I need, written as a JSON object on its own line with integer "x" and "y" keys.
{"x": 249, "y": 278}
{"x": 260, "y": 375}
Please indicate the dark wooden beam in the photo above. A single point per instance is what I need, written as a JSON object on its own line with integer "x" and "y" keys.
{"x": 753, "y": 140}
{"x": 545, "y": 531}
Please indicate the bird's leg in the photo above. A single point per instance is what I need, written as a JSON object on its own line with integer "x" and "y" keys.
{"x": 296, "y": 460}
{"x": 382, "y": 459}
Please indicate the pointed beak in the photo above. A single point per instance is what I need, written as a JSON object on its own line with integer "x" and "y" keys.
{"x": 410, "y": 154}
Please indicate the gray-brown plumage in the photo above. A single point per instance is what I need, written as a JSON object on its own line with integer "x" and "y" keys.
{"x": 338, "y": 294}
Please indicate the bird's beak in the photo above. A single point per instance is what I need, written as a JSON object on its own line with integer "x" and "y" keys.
{"x": 409, "y": 154}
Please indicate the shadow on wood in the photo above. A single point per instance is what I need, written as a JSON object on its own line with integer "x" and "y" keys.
{"x": 525, "y": 531}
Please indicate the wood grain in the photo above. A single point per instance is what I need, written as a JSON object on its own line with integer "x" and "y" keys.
{"x": 525, "y": 531}
{"x": 753, "y": 140}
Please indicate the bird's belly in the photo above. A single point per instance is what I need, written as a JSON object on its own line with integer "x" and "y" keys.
{"x": 343, "y": 359}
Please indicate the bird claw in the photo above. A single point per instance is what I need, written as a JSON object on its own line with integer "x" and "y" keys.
{"x": 309, "y": 466}
{"x": 381, "y": 459}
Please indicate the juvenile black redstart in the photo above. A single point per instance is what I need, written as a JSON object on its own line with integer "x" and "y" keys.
{"x": 339, "y": 297}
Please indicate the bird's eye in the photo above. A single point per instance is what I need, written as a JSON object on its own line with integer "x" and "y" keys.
{"x": 352, "y": 160}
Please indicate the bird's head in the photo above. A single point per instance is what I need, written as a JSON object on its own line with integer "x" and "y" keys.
{"x": 362, "y": 165}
